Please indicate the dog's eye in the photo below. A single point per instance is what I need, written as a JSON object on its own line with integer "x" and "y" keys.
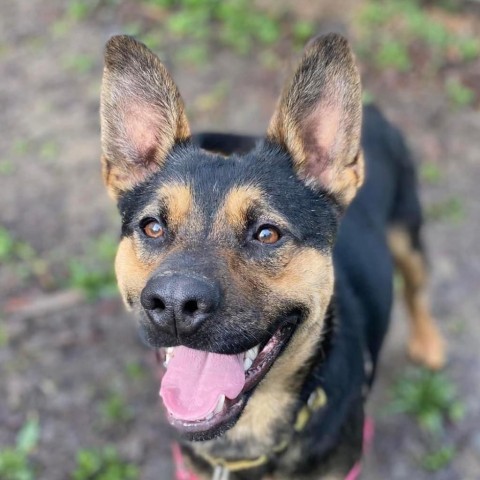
{"x": 268, "y": 234}
{"x": 152, "y": 228}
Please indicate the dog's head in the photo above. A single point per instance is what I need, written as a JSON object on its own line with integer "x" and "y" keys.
{"x": 227, "y": 260}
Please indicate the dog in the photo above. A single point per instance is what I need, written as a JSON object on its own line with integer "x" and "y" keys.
{"x": 261, "y": 268}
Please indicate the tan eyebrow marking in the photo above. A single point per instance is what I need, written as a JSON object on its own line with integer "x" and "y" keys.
{"x": 237, "y": 203}
{"x": 178, "y": 199}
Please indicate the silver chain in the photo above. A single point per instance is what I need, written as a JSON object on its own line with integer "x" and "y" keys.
{"x": 220, "y": 473}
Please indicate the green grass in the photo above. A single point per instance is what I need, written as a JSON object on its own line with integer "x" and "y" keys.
{"x": 104, "y": 464}
{"x": 432, "y": 400}
{"x": 93, "y": 272}
{"x": 459, "y": 94}
{"x": 12, "y": 250}
{"x": 91, "y": 464}
{"x": 21, "y": 258}
{"x": 388, "y": 28}
{"x": 3, "y": 334}
{"x": 438, "y": 458}
{"x": 302, "y": 31}
{"x": 239, "y": 25}
{"x": 430, "y": 173}
{"x": 469, "y": 48}
{"x": 7, "y": 167}
{"x": 78, "y": 10}
{"x": 430, "y": 397}
{"x": 192, "y": 54}
{"x": 7, "y": 245}
{"x": 20, "y": 146}
{"x": 49, "y": 150}
{"x": 79, "y": 63}
{"x": 113, "y": 410}
{"x": 450, "y": 209}
{"x": 393, "y": 54}
{"x": 233, "y": 23}
{"x": 14, "y": 461}
{"x": 134, "y": 370}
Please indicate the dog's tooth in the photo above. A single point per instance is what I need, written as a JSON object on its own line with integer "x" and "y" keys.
{"x": 247, "y": 363}
{"x": 209, "y": 416}
{"x": 252, "y": 353}
{"x": 168, "y": 355}
{"x": 219, "y": 407}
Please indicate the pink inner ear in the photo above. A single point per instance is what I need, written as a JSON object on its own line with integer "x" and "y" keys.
{"x": 322, "y": 143}
{"x": 142, "y": 128}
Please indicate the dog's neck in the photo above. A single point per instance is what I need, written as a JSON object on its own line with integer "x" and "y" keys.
{"x": 270, "y": 424}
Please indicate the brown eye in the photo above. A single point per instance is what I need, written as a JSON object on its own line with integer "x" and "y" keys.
{"x": 153, "y": 229}
{"x": 268, "y": 234}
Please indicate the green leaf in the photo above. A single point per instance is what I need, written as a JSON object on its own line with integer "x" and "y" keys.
{"x": 28, "y": 436}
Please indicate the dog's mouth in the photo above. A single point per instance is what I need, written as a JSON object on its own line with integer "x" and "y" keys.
{"x": 204, "y": 393}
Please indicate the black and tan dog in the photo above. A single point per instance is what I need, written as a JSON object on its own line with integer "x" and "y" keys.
{"x": 259, "y": 268}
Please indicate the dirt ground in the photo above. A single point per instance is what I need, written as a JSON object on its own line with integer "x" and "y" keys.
{"x": 68, "y": 361}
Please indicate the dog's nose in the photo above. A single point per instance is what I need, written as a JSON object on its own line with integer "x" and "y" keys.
{"x": 178, "y": 304}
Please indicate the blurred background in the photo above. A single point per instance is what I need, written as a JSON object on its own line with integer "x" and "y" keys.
{"x": 78, "y": 394}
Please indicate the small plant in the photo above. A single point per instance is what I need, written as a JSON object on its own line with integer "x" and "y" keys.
{"x": 12, "y": 249}
{"x": 134, "y": 370}
{"x": 3, "y": 334}
{"x": 14, "y": 462}
{"x": 7, "y": 245}
{"x": 393, "y": 54}
{"x": 80, "y": 63}
{"x": 234, "y": 23}
{"x": 20, "y": 146}
{"x": 430, "y": 397}
{"x": 78, "y": 10}
{"x": 104, "y": 464}
{"x": 388, "y": 29}
{"x": 451, "y": 209}
{"x": 438, "y": 459}
{"x": 6, "y": 167}
{"x": 303, "y": 30}
{"x": 93, "y": 273}
{"x": 114, "y": 410}
{"x": 49, "y": 150}
{"x": 430, "y": 173}
{"x": 459, "y": 94}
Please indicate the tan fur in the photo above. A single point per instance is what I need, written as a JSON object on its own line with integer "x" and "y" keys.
{"x": 178, "y": 199}
{"x": 318, "y": 118}
{"x": 308, "y": 275}
{"x": 134, "y": 266}
{"x": 236, "y": 205}
{"x": 232, "y": 214}
{"x": 132, "y": 271}
{"x": 425, "y": 345}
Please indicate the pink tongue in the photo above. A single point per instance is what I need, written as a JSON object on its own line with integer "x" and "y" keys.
{"x": 195, "y": 380}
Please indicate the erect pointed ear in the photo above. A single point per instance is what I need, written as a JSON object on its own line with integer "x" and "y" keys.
{"x": 142, "y": 114}
{"x": 318, "y": 118}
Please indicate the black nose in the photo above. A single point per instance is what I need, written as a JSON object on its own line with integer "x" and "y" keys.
{"x": 179, "y": 304}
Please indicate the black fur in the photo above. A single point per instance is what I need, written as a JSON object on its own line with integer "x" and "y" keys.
{"x": 231, "y": 242}
{"x": 332, "y": 440}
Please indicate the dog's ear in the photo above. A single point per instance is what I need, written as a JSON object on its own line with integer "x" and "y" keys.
{"x": 318, "y": 118}
{"x": 142, "y": 114}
